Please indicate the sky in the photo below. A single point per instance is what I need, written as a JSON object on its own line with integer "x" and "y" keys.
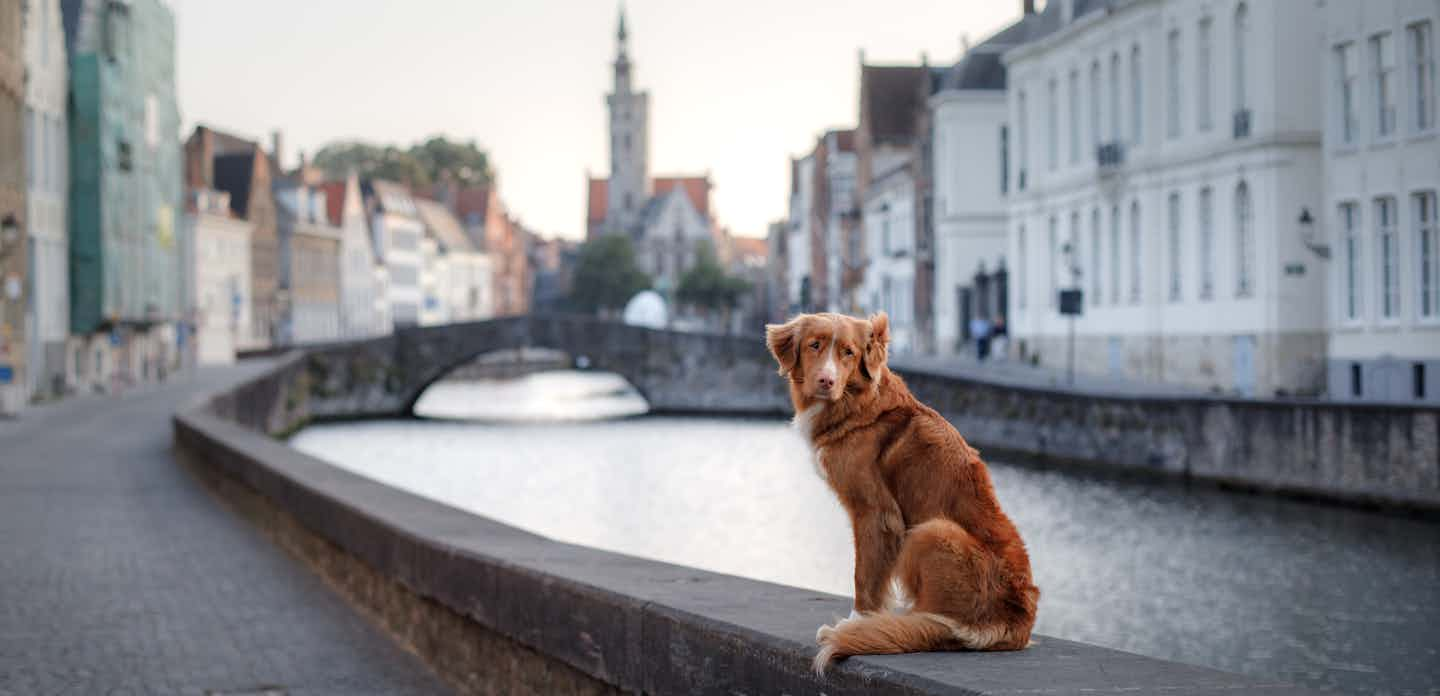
{"x": 736, "y": 86}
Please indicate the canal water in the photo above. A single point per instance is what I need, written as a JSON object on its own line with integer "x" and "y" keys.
{"x": 1339, "y": 599}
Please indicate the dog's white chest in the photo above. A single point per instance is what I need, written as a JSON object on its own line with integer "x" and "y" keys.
{"x": 804, "y": 424}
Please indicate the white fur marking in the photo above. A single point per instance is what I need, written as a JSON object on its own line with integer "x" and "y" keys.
{"x": 829, "y": 369}
{"x": 804, "y": 421}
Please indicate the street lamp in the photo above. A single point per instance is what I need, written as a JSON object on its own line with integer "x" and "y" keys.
{"x": 1307, "y": 235}
{"x": 9, "y": 234}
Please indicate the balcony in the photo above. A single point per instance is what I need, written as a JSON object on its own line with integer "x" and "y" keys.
{"x": 1242, "y": 124}
{"x": 1109, "y": 156}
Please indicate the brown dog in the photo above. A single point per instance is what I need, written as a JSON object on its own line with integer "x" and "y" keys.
{"x": 929, "y": 532}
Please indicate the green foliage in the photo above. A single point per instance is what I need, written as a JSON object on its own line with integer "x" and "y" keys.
{"x": 708, "y": 286}
{"x": 606, "y": 276}
{"x": 420, "y": 165}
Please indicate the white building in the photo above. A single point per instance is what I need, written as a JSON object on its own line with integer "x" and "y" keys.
{"x": 1382, "y": 172}
{"x": 395, "y": 232}
{"x": 1165, "y": 151}
{"x": 889, "y": 283}
{"x": 671, "y": 232}
{"x": 969, "y": 160}
{"x": 798, "y": 248}
{"x": 216, "y": 279}
{"x": 47, "y": 163}
{"x": 458, "y": 283}
{"x": 360, "y": 288}
{"x": 309, "y": 264}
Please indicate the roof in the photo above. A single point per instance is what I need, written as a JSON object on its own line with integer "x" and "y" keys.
{"x": 334, "y": 201}
{"x": 598, "y": 200}
{"x": 472, "y": 204}
{"x": 981, "y": 66}
{"x": 749, "y": 246}
{"x": 697, "y": 188}
{"x": 894, "y": 99}
{"x": 845, "y": 140}
{"x": 233, "y": 175}
{"x": 443, "y": 226}
{"x": 392, "y": 197}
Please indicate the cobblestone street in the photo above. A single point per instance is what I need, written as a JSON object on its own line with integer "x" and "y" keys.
{"x": 119, "y": 574}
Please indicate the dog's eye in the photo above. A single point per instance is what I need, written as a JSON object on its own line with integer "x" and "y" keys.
{"x": 814, "y": 345}
{"x": 849, "y": 353}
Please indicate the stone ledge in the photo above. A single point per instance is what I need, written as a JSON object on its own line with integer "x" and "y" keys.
{"x": 591, "y": 621}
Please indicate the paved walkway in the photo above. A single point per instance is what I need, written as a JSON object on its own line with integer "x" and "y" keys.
{"x": 119, "y": 574}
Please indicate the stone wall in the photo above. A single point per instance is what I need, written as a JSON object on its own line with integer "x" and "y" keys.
{"x": 494, "y": 609}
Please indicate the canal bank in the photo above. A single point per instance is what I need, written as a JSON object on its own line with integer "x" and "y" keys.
{"x": 592, "y": 619}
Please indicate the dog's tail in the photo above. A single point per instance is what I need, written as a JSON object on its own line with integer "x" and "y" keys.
{"x": 885, "y": 633}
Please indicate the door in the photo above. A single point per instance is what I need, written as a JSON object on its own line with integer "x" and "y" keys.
{"x": 962, "y": 301}
{"x": 1244, "y": 363}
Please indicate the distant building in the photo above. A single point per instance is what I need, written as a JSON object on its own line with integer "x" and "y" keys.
{"x": 309, "y": 288}
{"x": 216, "y": 281}
{"x": 1163, "y": 153}
{"x": 462, "y": 289}
{"x": 48, "y": 189}
{"x": 969, "y": 207}
{"x": 799, "y": 261}
{"x": 553, "y": 261}
{"x": 363, "y": 310}
{"x": 14, "y": 257}
{"x": 748, "y": 259}
{"x": 664, "y": 217}
{"x": 494, "y": 233}
{"x": 239, "y": 167}
{"x": 777, "y": 300}
{"x": 125, "y": 188}
{"x": 396, "y": 232}
{"x": 1382, "y": 174}
{"x": 892, "y": 191}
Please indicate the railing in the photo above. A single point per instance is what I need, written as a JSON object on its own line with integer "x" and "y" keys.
{"x": 1242, "y": 124}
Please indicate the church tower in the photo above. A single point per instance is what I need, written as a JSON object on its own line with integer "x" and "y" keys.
{"x": 629, "y": 145}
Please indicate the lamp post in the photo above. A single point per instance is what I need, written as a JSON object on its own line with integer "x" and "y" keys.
{"x": 1307, "y": 235}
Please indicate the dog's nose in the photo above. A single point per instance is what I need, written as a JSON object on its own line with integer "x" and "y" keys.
{"x": 826, "y": 382}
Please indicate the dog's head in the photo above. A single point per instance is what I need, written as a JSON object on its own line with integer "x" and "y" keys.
{"x": 827, "y": 356}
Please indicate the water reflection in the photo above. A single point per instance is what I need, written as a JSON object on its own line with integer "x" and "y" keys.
{"x": 1334, "y": 598}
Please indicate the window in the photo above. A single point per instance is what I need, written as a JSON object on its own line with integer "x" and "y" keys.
{"x": 1136, "y": 97}
{"x": 1350, "y": 229}
{"x": 1173, "y": 210}
{"x": 1096, "y": 278}
{"x": 1241, "y": 64}
{"x": 1074, "y": 117}
{"x": 1095, "y": 105}
{"x": 1115, "y": 97}
{"x": 1356, "y": 383}
{"x": 1020, "y": 292}
{"x": 1135, "y": 255}
{"x": 1388, "y": 257}
{"x": 1004, "y": 160}
{"x": 1052, "y": 138}
{"x": 1427, "y": 238}
{"x": 1203, "y": 119}
{"x": 1417, "y": 378}
{"x": 1207, "y": 245}
{"x": 1054, "y": 260}
{"x": 1345, "y": 75}
{"x": 1422, "y": 75}
{"x": 30, "y": 137}
{"x": 122, "y": 155}
{"x": 1172, "y": 68}
{"x": 1382, "y": 63}
{"x": 1022, "y": 128}
{"x": 1244, "y": 243}
{"x": 1115, "y": 254}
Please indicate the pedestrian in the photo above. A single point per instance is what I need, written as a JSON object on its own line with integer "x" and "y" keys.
{"x": 980, "y": 329}
{"x": 1000, "y": 339}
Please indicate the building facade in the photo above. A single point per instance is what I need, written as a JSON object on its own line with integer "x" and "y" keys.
{"x": 309, "y": 288}
{"x": 216, "y": 251}
{"x": 1164, "y": 154}
{"x": 461, "y": 287}
{"x": 1382, "y": 174}
{"x": 361, "y": 276}
{"x": 47, "y": 191}
{"x": 969, "y": 153}
{"x": 14, "y": 257}
{"x": 125, "y": 189}
{"x": 890, "y": 249}
{"x": 396, "y": 232}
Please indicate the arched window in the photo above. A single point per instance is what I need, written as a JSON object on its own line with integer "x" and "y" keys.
{"x": 1242, "y": 40}
{"x": 1136, "y": 97}
{"x": 1244, "y": 242}
{"x": 1115, "y": 97}
{"x": 1095, "y": 98}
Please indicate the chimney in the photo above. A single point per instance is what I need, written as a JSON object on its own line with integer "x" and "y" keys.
{"x": 1027, "y": 6}
{"x": 277, "y": 147}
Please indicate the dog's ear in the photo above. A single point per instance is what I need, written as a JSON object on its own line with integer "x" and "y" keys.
{"x": 784, "y": 342}
{"x": 872, "y": 362}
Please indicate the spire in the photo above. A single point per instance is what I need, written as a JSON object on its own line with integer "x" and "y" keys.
{"x": 621, "y": 33}
{"x": 622, "y": 59}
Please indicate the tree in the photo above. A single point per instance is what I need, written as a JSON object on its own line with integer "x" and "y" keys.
{"x": 707, "y": 286}
{"x": 606, "y": 276}
{"x": 420, "y": 165}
